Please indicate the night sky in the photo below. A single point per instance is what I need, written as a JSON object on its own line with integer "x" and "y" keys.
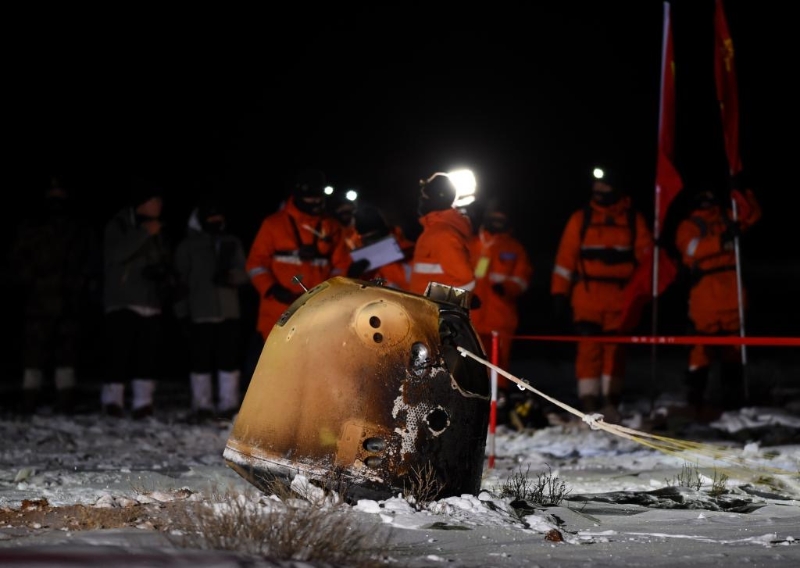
{"x": 382, "y": 95}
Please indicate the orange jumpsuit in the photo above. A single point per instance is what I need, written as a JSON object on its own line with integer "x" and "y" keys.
{"x": 498, "y": 259}
{"x": 594, "y": 272}
{"x": 441, "y": 253}
{"x": 275, "y": 256}
{"x": 714, "y": 294}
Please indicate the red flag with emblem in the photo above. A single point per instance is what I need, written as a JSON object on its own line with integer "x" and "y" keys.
{"x": 668, "y": 180}
{"x": 643, "y": 284}
{"x": 727, "y": 93}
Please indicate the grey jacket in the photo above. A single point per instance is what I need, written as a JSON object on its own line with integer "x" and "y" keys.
{"x": 210, "y": 271}
{"x": 137, "y": 266}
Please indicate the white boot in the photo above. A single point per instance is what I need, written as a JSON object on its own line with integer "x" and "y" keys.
{"x": 32, "y": 380}
{"x": 112, "y": 397}
{"x": 228, "y": 392}
{"x": 202, "y": 397}
{"x": 64, "y": 378}
{"x": 143, "y": 390}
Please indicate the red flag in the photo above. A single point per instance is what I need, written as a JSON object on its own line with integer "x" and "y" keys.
{"x": 668, "y": 180}
{"x": 727, "y": 93}
{"x": 643, "y": 284}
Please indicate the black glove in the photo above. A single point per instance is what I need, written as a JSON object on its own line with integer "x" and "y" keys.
{"x": 281, "y": 293}
{"x": 729, "y": 234}
{"x": 357, "y": 268}
{"x": 474, "y": 302}
{"x": 562, "y": 312}
{"x": 583, "y": 327}
{"x": 499, "y": 289}
{"x": 738, "y": 182}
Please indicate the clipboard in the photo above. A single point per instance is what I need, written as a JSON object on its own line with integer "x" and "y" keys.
{"x": 379, "y": 253}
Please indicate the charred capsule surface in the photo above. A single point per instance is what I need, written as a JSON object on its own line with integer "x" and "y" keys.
{"x": 364, "y": 384}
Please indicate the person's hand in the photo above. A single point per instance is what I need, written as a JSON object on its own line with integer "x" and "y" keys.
{"x": 474, "y": 302}
{"x": 738, "y": 182}
{"x": 499, "y": 289}
{"x": 357, "y": 268}
{"x": 281, "y": 293}
{"x": 727, "y": 237}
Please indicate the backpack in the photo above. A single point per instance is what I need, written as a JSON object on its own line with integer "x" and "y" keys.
{"x": 609, "y": 256}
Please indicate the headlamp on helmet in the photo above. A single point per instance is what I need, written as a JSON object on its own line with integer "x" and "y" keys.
{"x": 604, "y": 187}
{"x": 437, "y": 193}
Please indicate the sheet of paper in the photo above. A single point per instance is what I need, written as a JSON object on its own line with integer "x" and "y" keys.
{"x": 379, "y": 253}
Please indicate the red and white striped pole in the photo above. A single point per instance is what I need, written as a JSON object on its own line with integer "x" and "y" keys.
{"x": 493, "y": 406}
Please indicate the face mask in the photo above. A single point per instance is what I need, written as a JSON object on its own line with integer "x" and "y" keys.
{"x": 144, "y": 218}
{"x": 213, "y": 227}
{"x": 704, "y": 201}
{"x": 606, "y": 198}
{"x": 345, "y": 216}
{"x": 311, "y": 207}
{"x": 494, "y": 225}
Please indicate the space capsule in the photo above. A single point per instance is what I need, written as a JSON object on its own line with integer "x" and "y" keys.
{"x": 363, "y": 384}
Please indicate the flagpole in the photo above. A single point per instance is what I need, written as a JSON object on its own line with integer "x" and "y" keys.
{"x": 729, "y": 113}
{"x": 735, "y": 212}
{"x": 657, "y": 210}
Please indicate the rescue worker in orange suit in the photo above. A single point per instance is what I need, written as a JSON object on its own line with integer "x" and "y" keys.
{"x": 441, "y": 252}
{"x": 705, "y": 240}
{"x": 503, "y": 271}
{"x": 600, "y": 246}
{"x": 297, "y": 240}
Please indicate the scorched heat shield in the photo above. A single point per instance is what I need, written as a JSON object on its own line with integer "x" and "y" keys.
{"x": 362, "y": 386}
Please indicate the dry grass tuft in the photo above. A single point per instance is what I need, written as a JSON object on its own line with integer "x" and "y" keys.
{"x": 281, "y": 528}
{"x": 546, "y": 489}
{"x": 422, "y": 486}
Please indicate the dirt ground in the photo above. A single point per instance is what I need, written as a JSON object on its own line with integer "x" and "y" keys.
{"x": 39, "y": 515}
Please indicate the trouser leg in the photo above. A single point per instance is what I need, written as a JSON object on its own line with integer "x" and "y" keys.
{"x": 64, "y": 378}
{"x": 32, "y": 380}
{"x": 732, "y": 384}
{"x": 202, "y": 393}
{"x": 228, "y": 385}
{"x": 696, "y": 385}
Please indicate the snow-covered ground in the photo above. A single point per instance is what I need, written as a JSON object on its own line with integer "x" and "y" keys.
{"x": 727, "y": 500}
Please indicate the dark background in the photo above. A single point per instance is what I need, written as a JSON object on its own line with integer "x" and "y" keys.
{"x": 529, "y": 96}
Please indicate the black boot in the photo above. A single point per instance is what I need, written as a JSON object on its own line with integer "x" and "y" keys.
{"x": 610, "y": 410}
{"x": 590, "y": 403}
{"x": 732, "y": 383}
{"x": 696, "y": 384}
{"x": 30, "y": 400}
{"x": 65, "y": 401}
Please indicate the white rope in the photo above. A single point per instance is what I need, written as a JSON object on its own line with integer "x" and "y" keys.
{"x": 593, "y": 420}
{"x": 664, "y": 444}
{"x": 524, "y": 385}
